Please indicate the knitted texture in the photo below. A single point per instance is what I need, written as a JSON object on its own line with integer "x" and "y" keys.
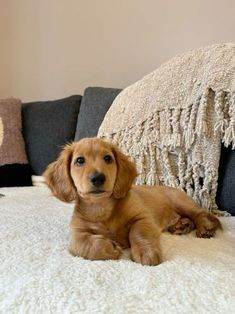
{"x": 172, "y": 121}
{"x": 12, "y": 146}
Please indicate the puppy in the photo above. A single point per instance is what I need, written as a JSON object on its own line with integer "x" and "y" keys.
{"x": 110, "y": 213}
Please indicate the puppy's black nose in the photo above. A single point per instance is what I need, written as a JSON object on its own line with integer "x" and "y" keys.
{"x": 97, "y": 179}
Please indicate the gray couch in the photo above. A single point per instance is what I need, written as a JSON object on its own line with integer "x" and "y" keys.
{"x": 47, "y": 126}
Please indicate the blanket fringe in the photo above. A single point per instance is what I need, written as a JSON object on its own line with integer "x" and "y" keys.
{"x": 229, "y": 132}
{"x": 202, "y": 127}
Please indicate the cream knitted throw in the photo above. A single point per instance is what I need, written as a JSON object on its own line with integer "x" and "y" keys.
{"x": 172, "y": 121}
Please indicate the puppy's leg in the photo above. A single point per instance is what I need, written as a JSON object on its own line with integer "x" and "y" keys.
{"x": 144, "y": 241}
{"x": 206, "y": 223}
{"x": 93, "y": 246}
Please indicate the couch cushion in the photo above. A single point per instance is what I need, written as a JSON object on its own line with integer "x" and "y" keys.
{"x": 14, "y": 167}
{"x": 47, "y": 126}
{"x": 95, "y": 103}
{"x": 226, "y": 183}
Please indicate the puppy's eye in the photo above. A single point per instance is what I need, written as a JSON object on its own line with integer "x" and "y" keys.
{"x": 108, "y": 159}
{"x": 80, "y": 161}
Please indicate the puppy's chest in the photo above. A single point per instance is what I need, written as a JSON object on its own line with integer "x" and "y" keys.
{"x": 114, "y": 231}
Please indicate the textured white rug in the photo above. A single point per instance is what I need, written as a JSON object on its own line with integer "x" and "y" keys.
{"x": 37, "y": 274}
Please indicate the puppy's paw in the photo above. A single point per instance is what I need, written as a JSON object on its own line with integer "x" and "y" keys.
{"x": 149, "y": 256}
{"x": 206, "y": 225}
{"x": 96, "y": 247}
{"x": 104, "y": 248}
{"x": 182, "y": 226}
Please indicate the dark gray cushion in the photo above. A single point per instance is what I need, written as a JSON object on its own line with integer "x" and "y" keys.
{"x": 226, "y": 184}
{"x": 95, "y": 103}
{"x": 47, "y": 126}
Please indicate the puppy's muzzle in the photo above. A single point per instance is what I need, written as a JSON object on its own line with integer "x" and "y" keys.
{"x": 97, "y": 179}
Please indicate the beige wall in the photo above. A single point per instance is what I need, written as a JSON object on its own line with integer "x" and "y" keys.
{"x": 54, "y": 48}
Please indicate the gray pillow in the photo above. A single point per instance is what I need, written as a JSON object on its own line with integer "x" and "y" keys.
{"x": 47, "y": 126}
{"x": 95, "y": 103}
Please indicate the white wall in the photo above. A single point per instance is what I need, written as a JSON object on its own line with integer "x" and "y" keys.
{"x": 55, "y": 48}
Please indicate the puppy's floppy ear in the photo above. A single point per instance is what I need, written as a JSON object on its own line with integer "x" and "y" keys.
{"x": 126, "y": 173}
{"x": 58, "y": 177}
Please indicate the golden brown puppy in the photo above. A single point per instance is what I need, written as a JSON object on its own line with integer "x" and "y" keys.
{"x": 110, "y": 213}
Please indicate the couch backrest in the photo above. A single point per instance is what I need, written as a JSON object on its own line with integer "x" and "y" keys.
{"x": 47, "y": 126}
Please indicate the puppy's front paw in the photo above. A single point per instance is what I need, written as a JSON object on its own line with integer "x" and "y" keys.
{"x": 95, "y": 247}
{"x": 104, "y": 248}
{"x": 150, "y": 255}
{"x": 206, "y": 225}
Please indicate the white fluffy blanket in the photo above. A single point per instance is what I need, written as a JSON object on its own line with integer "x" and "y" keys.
{"x": 39, "y": 276}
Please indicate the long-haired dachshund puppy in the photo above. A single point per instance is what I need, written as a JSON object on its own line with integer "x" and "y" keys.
{"x": 110, "y": 213}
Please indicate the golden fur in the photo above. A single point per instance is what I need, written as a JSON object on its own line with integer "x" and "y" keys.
{"x": 110, "y": 213}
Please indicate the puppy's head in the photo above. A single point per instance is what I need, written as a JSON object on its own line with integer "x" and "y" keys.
{"x": 91, "y": 169}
